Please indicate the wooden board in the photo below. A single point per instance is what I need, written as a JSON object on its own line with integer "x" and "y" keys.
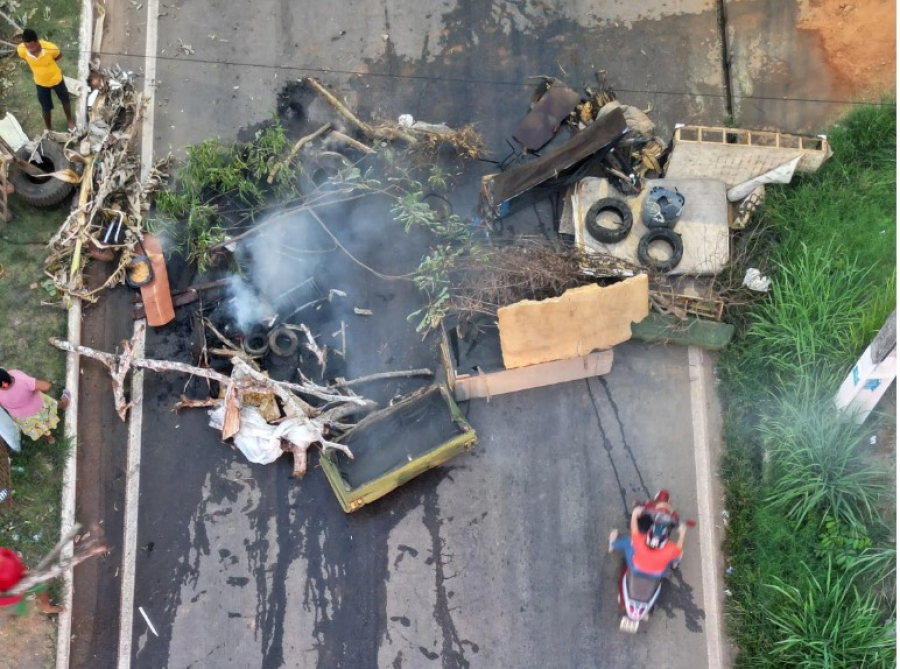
{"x": 582, "y": 320}
{"x": 157, "y": 295}
{"x": 466, "y": 387}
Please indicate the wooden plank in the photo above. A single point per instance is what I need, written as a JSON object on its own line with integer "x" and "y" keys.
{"x": 157, "y": 295}
{"x": 506, "y": 381}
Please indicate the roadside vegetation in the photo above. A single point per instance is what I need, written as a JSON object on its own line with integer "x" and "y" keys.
{"x": 810, "y": 496}
{"x": 31, "y": 314}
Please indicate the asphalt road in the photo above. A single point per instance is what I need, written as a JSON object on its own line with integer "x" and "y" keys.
{"x": 496, "y": 559}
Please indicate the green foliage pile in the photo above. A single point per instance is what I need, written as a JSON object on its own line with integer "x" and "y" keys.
{"x": 214, "y": 173}
{"x": 810, "y": 539}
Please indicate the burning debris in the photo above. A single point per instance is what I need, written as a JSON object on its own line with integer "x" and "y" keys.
{"x": 301, "y": 423}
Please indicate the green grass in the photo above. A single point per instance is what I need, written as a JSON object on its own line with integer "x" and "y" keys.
{"x": 23, "y": 344}
{"x": 55, "y": 21}
{"x": 809, "y": 537}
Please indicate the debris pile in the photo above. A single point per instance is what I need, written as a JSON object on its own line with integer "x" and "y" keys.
{"x": 107, "y": 223}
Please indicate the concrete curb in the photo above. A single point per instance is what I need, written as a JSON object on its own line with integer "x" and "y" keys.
{"x": 706, "y": 457}
{"x": 67, "y": 503}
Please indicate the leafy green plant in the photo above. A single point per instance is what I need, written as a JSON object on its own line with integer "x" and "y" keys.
{"x": 843, "y": 543}
{"x": 432, "y": 277}
{"x": 824, "y": 621}
{"x": 190, "y": 214}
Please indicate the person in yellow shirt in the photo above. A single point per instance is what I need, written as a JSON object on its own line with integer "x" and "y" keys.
{"x": 41, "y": 57}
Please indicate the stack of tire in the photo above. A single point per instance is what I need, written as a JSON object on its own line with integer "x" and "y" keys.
{"x": 43, "y": 193}
{"x": 660, "y": 212}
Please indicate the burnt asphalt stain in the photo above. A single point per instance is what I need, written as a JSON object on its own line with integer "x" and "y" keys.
{"x": 620, "y": 424}
{"x": 607, "y": 446}
{"x": 347, "y": 569}
{"x": 403, "y": 551}
{"x": 427, "y": 653}
{"x": 452, "y": 650}
{"x": 678, "y": 595}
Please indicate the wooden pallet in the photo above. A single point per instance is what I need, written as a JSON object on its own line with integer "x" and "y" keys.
{"x": 755, "y": 138}
{"x": 690, "y": 305}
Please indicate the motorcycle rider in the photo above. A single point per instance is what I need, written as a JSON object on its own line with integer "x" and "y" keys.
{"x": 641, "y": 555}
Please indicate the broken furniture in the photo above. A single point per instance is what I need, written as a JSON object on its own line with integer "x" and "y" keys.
{"x": 474, "y": 367}
{"x": 702, "y": 227}
{"x": 745, "y": 160}
{"x": 396, "y": 445}
{"x": 498, "y": 189}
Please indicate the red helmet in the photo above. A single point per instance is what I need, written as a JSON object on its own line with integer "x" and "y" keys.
{"x": 662, "y": 496}
{"x": 11, "y": 572}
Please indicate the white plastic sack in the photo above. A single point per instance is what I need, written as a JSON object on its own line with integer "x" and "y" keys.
{"x": 12, "y": 132}
{"x": 9, "y": 431}
{"x": 255, "y": 438}
{"x": 756, "y": 281}
{"x": 780, "y": 175}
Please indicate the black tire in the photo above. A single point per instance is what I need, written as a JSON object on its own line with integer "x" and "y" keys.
{"x": 38, "y": 192}
{"x": 609, "y": 235}
{"x": 283, "y": 342}
{"x": 257, "y": 342}
{"x": 672, "y": 238}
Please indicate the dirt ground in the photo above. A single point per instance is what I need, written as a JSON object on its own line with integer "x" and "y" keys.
{"x": 27, "y": 642}
{"x": 860, "y": 45}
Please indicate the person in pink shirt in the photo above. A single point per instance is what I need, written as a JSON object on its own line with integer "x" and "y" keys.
{"x": 25, "y": 400}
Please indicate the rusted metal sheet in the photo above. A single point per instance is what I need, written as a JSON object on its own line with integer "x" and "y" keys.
{"x": 540, "y": 124}
{"x": 605, "y": 131}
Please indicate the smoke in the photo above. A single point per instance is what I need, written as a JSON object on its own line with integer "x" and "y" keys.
{"x": 244, "y": 305}
{"x": 279, "y": 265}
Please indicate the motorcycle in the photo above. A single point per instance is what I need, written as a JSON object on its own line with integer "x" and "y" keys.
{"x": 639, "y": 592}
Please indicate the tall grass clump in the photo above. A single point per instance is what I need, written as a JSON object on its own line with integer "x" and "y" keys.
{"x": 816, "y": 469}
{"x": 826, "y": 622}
{"x": 807, "y": 326}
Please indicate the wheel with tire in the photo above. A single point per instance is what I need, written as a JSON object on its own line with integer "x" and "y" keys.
{"x": 603, "y": 234}
{"x": 40, "y": 192}
{"x": 670, "y": 237}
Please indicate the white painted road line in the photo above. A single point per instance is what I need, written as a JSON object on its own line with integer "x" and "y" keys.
{"x": 132, "y": 492}
{"x": 70, "y": 474}
{"x": 706, "y": 518}
{"x": 149, "y": 87}
{"x": 136, "y": 416}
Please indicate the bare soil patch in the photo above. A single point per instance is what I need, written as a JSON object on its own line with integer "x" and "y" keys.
{"x": 859, "y": 38}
